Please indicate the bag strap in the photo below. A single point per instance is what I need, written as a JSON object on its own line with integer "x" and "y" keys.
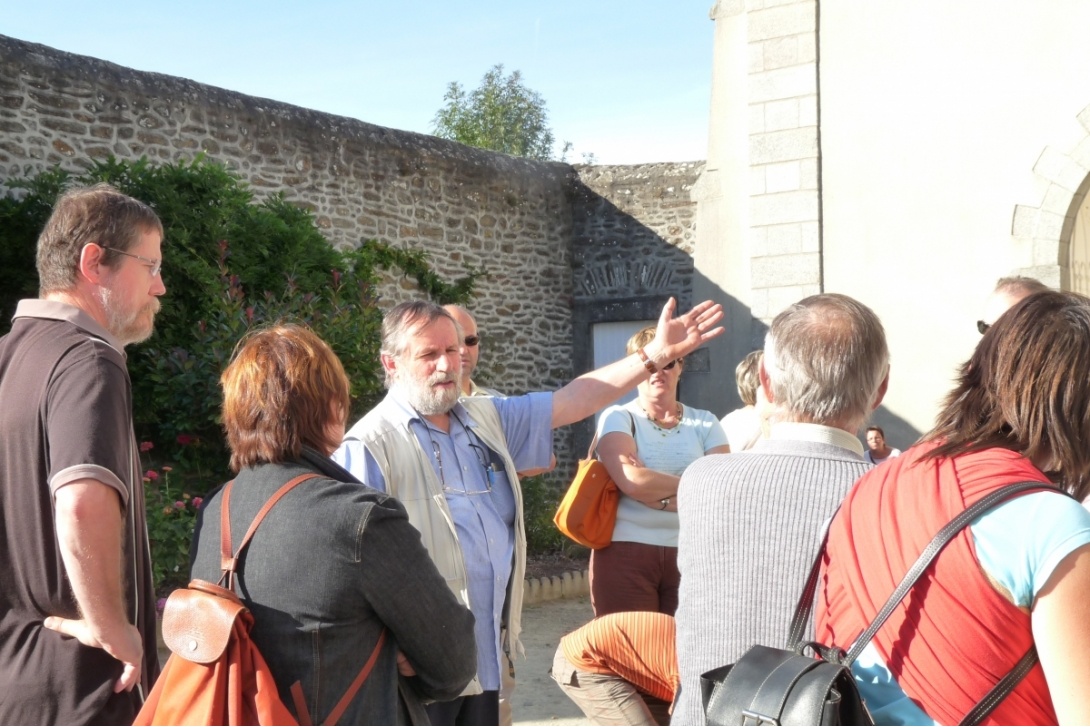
{"x": 594, "y": 440}
{"x": 1002, "y": 688}
{"x": 802, "y": 612}
{"x": 932, "y": 550}
{"x": 302, "y": 714}
{"x": 229, "y": 562}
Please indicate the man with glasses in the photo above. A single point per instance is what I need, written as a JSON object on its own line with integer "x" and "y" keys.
{"x": 77, "y": 609}
{"x": 452, "y": 462}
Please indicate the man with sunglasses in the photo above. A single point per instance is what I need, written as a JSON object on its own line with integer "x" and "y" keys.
{"x": 1008, "y": 291}
{"x": 452, "y": 461}
{"x": 471, "y": 351}
{"x": 77, "y": 609}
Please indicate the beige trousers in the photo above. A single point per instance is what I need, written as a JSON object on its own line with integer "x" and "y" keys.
{"x": 606, "y": 699}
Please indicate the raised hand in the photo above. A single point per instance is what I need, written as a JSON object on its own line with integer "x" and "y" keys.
{"x": 677, "y": 337}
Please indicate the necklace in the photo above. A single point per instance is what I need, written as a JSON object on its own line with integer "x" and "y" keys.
{"x": 662, "y": 426}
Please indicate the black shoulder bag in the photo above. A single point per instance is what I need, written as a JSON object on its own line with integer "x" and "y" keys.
{"x": 769, "y": 686}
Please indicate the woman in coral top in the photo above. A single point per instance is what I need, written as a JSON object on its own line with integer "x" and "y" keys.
{"x": 1018, "y": 576}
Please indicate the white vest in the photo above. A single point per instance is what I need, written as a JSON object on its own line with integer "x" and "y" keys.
{"x": 411, "y": 478}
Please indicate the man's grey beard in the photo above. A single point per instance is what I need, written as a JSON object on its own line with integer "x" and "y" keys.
{"x": 127, "y": 329}
{"x": 428, "y": 400}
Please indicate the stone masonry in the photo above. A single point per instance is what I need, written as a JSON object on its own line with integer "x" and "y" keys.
{"x": 526, "y": 222}
{"x": 784, "y": 150}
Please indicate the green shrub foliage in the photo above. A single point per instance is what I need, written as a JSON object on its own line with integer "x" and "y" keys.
{"x": 230, "y": 262}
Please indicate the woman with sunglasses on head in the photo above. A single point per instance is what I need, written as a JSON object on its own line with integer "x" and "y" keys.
{"x": 1016, "y": 579}
{"x": 645, "y": 445}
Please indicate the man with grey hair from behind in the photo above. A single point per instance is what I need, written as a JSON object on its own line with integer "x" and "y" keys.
{"x": 751, "y": 522}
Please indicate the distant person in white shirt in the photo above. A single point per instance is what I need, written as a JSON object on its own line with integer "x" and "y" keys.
{"x": 743, "y": 426}
{"x": 877, "y": 449}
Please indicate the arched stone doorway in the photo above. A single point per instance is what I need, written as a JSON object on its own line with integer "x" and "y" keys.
{"x": 1078, "y": 259}
{"x": 1052, "y": 241}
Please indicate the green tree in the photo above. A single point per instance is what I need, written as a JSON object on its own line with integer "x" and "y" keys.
{"x": 501, "y": 114}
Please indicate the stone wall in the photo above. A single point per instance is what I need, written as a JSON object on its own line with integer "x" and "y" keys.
{"x": 554, "y": 239}
{"x": 633, "y": 236}
{"x": 465, "y": 206}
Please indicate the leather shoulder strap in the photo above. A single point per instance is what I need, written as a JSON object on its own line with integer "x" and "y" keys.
{"x": 1005, "y": 685}
{"x": 229, "y": 562}
{"x": 302, "y": 714}
{"x": 932, "y": 550}
{"x": 594, "y": 439}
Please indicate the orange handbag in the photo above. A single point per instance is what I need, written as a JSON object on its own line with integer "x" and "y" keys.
{"x": 588, "y": 511}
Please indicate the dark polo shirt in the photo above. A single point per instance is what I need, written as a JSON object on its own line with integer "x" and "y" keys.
{"x": 65, "y": 415}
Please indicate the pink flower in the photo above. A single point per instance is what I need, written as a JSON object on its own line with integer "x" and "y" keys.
{"x": 179, "y": 505}
{"x": 185, "y": 439}
{"x": 167, "y": 468}
{"x": 197, "y": 501}
{"x": 151, "y": 475}
{"x": 146, "y": 446}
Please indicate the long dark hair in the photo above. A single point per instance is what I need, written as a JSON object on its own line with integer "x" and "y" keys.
{"x": 1027, "y": 388}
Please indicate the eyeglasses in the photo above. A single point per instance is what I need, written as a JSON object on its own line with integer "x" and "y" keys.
{"x": 473, "y": 340}
{"x": 674, "y": 363}
{"x": 983, "y": 327}
{"x": 482, "y": 458}
{"x": 155, "y": 266}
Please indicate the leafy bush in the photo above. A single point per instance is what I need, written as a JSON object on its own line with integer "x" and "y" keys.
{"x": 172, "y": 515}
{"x": 540, "y": 497}
{"x": 230, "y": 263}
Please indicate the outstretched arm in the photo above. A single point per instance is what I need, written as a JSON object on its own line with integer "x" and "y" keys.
{"x": 674, "y": 338}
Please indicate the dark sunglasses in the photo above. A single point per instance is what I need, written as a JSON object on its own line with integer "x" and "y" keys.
{"x": 983, "y": 327}
{"x": 673, "y": 363}
{"x": 472, "y": 340}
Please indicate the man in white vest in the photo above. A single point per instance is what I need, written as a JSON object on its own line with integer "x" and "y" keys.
{"x": 452, "y": 463}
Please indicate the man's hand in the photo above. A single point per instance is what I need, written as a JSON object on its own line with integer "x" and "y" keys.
{"x": 676, "y": 337}
{"x": 126, "y": 646}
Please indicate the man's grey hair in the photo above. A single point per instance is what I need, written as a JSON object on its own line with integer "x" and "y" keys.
{"x": 826, "y": 357}
{"x": 399, "y": 323}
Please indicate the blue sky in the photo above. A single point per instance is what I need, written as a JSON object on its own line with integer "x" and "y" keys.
{"x": 628, "y": 81}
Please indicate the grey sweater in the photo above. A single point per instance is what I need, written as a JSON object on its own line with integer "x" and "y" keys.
{"x": 750, "y": 528}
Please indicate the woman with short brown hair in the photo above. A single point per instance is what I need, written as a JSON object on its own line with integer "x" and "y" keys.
{"x": 334, "y": 563}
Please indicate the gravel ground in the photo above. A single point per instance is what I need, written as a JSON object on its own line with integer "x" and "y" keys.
{"x": 537, "y": 698}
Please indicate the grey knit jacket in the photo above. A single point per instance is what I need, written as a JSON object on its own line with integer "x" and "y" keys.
{"x": 750, "y": 528}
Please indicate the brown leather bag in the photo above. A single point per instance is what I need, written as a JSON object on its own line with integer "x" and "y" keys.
{"x": 215, "y": 674}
